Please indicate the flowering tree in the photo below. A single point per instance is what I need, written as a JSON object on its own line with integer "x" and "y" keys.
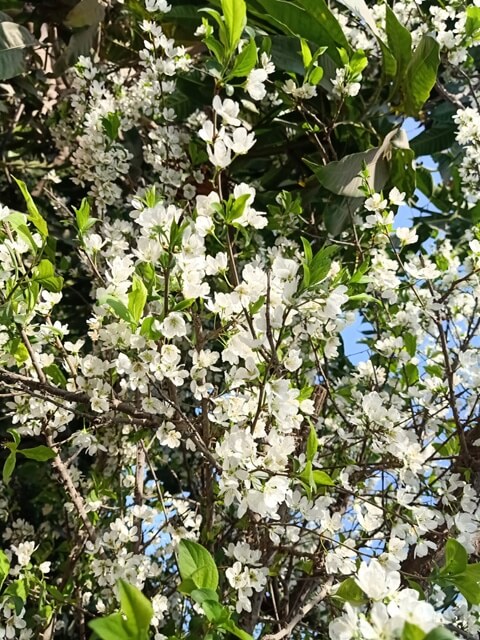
{"x": 196, "y": 203}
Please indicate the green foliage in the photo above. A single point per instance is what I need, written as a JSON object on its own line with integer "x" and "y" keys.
{"x": 14, "y": 40}
{"x": 197, "y": 567}
{"x": 133, "y": 620}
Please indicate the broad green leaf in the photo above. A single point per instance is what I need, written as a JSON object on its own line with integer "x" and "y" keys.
{"x": 468, "y": 583}
{"x": 295, "y": 20}
{"x": 343, "y": 176}
{"x": 40, "y": 453}
{"x": 319, "y": 11}
{"x": 8, "y": 467}
{"x": 245, "y": 61}
{"x": 111, "y": 627}
{"x": 412, "y": 632}
{"x": 14, "y": 39}
{"x": 137, "y": 298}
{"x": 196, "y": 563}
{"x": 399, "y": 41}
{"x": 137, "y": 608}
{"x": 85, "y": 14}
{"x": 33, "y": 213}
{"x": 4, "y": 567}
{"x": 312, "y": 443}
{"x": 349, "y": 591}
{"x": 456, "y": 558}
{"x": 438, "y": 137}
{"x": 420, "y": 75}
{"x": 235, "y": 14}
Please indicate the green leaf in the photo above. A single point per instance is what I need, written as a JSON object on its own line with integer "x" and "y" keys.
{"x": 40, "y": 453}
{"x": 349, "y": 591}
{"x": 319, "y": 11}
{"x": 14, "y": 39}
{"x": 119, "y": 308}
{"x": 137, "y": 608}
{"x": 440, "y": 633}
{"x": 56, "y": 374}
{"x": 322, "y": 478}
{"x": 85, "y": 14}
{"x": 412, "y": 632}
{"x": 343, "y": 176}
{"x": 111, "y": 627}
{"x": 44, "y": 274}
{"x": 17, "y": 589}
{"x": 215, "y": 612}
{"x": 245, "y": 61}
{"x": 312, "y": 443}
{"x": 33, "y": 213}
{"x": 468, "y": 583}
{"x": 137, "y": 298}
{"x": 456, "y": 558}
{"x": 111, "y": 125}
{"x": 438, "y": 137}
{"x": 8, "y": 467}
{"x": 235, "y": 14}
{"x": 472, "y": 25}
{"x": 399, "y": 41}
{"x": 4, "y": 567}
{"x": 230, "y": 626}
{"x": 321, "y": 264}
{"x": 196, "y": 563}
{"x": 295, "y": 20}
{"x": 15, "y": 435}
{"x": 420, "y": 75}
{"x": 200, "y": 595}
